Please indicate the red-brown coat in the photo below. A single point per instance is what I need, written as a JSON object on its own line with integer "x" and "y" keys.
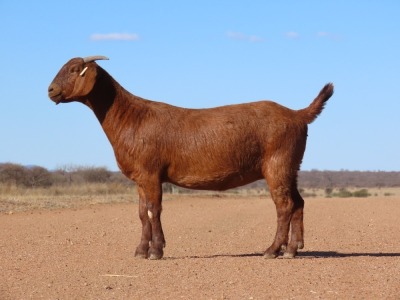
{"x": 214, "y": 149}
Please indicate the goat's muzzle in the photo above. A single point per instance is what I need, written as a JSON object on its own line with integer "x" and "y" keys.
{"x": 55, "y": 93}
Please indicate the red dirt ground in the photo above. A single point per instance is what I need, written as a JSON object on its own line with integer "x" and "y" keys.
{"x": 214, "y": 247}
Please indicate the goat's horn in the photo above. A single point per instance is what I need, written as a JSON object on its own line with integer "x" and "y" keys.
{"x": 93, "y": 58}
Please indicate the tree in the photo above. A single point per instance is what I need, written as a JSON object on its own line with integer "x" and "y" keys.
{"x": 94, "y": 175}
{"x": 12, "y": 173}
{"x": 38, "y": 177}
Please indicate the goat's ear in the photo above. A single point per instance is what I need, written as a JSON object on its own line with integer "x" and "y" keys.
{"x": 85, "y": 81}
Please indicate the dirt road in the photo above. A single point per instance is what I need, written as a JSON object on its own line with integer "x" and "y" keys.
{"x": 214, "y": 251}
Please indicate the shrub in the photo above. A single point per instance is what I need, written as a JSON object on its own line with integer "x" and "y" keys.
{"x": 363, "y": 193}
{"x": 12, "y": 174}
{"x": 37, "y": 177}
{"x": 328, "y": 192}
{"x": 343, "y": 193}
{"x": 94, "y": 175}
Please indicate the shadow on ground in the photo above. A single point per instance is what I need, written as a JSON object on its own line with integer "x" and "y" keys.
{"x": 334, "y": 254}
{"x": 301, "y": 255}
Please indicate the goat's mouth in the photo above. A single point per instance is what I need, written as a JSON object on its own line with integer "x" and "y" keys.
{"x": 56, "y": 98}
{"x": 55, "y": 93}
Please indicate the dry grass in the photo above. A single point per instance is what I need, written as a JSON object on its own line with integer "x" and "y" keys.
{"x": 14, "y": 199}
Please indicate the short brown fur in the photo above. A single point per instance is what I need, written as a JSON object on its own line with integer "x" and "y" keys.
{"x": 209, "y": 149}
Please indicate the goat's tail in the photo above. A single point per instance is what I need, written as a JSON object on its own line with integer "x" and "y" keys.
{"x": 310, "y": 113}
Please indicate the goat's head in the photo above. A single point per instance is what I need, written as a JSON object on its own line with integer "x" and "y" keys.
{"x": 75, "y": 79}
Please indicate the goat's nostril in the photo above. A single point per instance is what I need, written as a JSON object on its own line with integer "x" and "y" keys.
{"x": 53, "y": 89}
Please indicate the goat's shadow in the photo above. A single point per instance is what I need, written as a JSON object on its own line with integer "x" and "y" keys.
{"x": 334, "y": 254}
{"x": 300, "y": 255}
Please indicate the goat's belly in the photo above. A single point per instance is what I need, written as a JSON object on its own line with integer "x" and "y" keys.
{"x": 216, "y": 181}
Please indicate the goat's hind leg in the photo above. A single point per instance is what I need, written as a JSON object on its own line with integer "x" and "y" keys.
{"x": 289, "y": 208}
{"x": 284, "y": 208}
{"x": 296, "y": 226}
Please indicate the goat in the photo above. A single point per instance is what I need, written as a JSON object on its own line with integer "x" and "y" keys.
{"x": 206, "y": 149}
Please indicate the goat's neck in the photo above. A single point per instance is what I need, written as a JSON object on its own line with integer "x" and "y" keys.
{"x": 112, "y": 105}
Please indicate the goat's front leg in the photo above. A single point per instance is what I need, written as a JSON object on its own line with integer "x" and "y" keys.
{"x": 153, "y": 196}
{"x": 143, "y": 248}
{"x": 152, "y": 241}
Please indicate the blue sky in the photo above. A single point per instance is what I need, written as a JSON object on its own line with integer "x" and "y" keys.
{"x": 203, "y": 54}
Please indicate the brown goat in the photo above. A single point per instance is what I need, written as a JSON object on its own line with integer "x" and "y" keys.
{"x": 206, "y": 149}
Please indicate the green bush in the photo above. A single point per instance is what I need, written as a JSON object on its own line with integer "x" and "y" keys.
{"x": 363, "y": 193}
{"x": 343, "y": 193}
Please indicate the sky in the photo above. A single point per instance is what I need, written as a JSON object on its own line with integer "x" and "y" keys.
{"x": 200, "y": 54}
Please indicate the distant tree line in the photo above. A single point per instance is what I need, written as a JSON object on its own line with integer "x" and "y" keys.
{"x": 342, "y": 179}
{"x": 36, "y": 176}
{"x": 22, "y": 176}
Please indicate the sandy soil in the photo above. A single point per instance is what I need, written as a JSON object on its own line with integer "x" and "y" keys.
{"x": 214, "y": 251}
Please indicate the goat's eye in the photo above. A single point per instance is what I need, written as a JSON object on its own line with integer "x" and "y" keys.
{"x": 74, "y": 70}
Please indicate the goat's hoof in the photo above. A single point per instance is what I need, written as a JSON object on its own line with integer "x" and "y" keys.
{"x": 141, "y": 253}
{"x": 289, "y": 255}
{"x": 300, "y": 245}
{"x": 270, "y": 255}
{"x": 155, "y": 254}
{"x": 283, "y": 247}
